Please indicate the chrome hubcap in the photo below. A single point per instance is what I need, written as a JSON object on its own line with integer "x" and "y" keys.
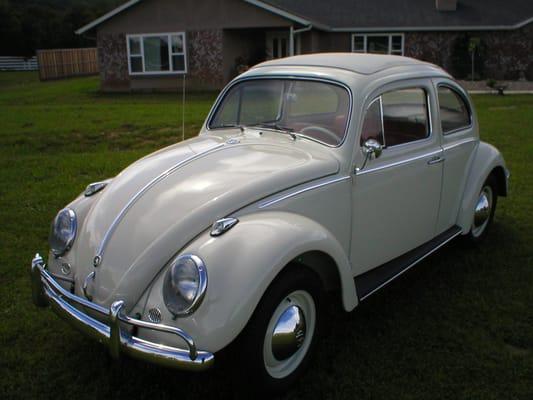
{"x": 289, "y": 333}
{"x": 482, "y": 211}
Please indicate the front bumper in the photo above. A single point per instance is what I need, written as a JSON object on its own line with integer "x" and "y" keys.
{"x": 46, "y": 291}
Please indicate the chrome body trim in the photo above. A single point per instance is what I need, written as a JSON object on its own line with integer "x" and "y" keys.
{"x": 410, "y": 266}
{"x": 401, "y": 162}
{"x": 268, "y": 203}
{"x": 140, "y": 193}
{"x": 223, "y": 225}
{"x": 222, "y": 95}
{"x": 46, "y": 291}
{"x": 459, "y": 143}
{"x": 436, "y": 160}
{"x": 95, "y": 187}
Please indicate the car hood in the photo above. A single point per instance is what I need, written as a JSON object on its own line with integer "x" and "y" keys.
{"x": 158, "y": 204}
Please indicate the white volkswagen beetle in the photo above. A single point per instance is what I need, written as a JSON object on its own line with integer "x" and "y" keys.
{"x": 316, "y": 173}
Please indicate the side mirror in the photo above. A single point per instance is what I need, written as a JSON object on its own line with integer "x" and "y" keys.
{"x": 371, "y": 149}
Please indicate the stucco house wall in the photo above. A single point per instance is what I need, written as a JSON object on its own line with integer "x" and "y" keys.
{"x": 507, "y": 54}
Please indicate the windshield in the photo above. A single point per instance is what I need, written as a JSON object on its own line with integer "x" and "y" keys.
{"x": 315, "y": 109}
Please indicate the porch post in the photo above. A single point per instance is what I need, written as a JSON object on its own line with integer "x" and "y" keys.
{"x": 291, "y": 40}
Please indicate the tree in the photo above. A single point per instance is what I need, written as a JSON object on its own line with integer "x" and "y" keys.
{"x": 29, "y": 25}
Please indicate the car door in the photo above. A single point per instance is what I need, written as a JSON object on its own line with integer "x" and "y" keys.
{"x": 395, "y": 197}
{"x": 459, "y": 139}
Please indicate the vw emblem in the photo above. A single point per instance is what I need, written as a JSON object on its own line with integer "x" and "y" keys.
{"x": 96, "y": 261}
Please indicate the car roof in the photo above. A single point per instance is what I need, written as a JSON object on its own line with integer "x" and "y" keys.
{"x": 365, "y": 64}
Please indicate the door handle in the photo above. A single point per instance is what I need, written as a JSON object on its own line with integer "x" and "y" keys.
{"x": 435, "y": 160}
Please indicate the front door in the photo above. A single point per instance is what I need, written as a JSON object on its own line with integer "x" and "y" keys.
{"x": 396, "y": 196}
{"x": 277, "y": 44}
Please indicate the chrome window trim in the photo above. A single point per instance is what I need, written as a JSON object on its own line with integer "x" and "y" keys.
{"x": 468, "y": 107}
{"x": 399, "y": 163}
{"x": 224, "y": 92}
{"x": 281, "y": 198}
{"x": 142, "y": 191}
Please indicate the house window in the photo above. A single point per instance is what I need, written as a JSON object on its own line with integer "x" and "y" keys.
{"x": 155, "y": 54}
{"x": 382, "y": 43}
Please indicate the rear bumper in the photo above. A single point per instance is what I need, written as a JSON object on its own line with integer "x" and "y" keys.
{"x": 47, "y": 292}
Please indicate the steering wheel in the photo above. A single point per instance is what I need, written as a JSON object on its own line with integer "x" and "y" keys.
{"x": 321, "y": 129}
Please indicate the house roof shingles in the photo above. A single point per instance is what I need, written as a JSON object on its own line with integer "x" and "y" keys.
{"x": 411, "y": 14}
{"x": 386, "y": 15}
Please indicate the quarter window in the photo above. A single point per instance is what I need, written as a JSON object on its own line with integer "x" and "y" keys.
{"x": 157, "y": 53}
{"x": 372, "y": 124}
{"x": 454, "y": 112}
{"x": 397, "y": 117}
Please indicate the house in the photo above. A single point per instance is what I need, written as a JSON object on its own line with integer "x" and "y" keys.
{"x": 151, "y": 44}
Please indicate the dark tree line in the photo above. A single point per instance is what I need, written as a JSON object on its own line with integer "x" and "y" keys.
{"x": 29, "y": 25}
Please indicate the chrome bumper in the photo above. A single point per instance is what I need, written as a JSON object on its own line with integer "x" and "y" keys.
{"x": 46, "y": 291}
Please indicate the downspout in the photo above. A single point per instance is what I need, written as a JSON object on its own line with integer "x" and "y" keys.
{"x": 294, "y": 32}
{"x": 291, "y": 40}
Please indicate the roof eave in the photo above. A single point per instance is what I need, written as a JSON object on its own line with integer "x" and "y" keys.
{"x": 453, "y": 28}
{"x": 105, "y": 17}
{"x": 288, "y": 15}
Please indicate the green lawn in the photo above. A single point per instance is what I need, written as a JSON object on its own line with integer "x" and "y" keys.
{"x": 460, "y": 326}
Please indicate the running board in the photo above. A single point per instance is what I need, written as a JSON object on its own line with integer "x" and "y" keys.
{"x": 370, "y": 282}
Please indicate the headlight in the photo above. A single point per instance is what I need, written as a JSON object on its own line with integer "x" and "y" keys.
{"x": 63, "y": 232}
{"x": 185, "y": 284}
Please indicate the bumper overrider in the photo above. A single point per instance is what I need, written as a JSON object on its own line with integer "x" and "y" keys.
{"x": 47, "y": 292}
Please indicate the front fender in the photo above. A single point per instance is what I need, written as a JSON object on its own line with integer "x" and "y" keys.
{"x": 487, "y": 158}
{"x": 241, "y": 264}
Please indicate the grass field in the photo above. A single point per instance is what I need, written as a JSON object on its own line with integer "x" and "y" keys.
{"x": 459, "y": 326}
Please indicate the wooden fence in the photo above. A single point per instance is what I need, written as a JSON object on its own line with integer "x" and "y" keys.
{"x": 18, "y": 64}
{"x": 64, "y": 63}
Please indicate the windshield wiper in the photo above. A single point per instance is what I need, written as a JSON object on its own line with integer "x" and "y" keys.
{"x": 283, "y": 129}
{"x": 241, "y": 127}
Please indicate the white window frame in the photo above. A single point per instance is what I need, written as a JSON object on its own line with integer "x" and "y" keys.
{"x": 169, "y": 35}
{"x": 365, "y": 37}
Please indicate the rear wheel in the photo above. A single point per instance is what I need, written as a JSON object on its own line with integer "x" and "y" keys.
{"x": 483, "y": 212}
{"x": 279, "y": 340}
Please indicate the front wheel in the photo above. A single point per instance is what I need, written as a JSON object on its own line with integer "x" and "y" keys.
{"x": 280, "y": 338}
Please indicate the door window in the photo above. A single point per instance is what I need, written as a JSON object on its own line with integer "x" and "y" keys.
{"x": 405, "y": 116}
{"x": 454, "y": 112}
{"x": 397, "y": 117}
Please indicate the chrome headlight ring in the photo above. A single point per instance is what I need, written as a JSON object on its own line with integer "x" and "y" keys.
{"x": 184, "y": 285}
{"x": 63, "y": 232}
